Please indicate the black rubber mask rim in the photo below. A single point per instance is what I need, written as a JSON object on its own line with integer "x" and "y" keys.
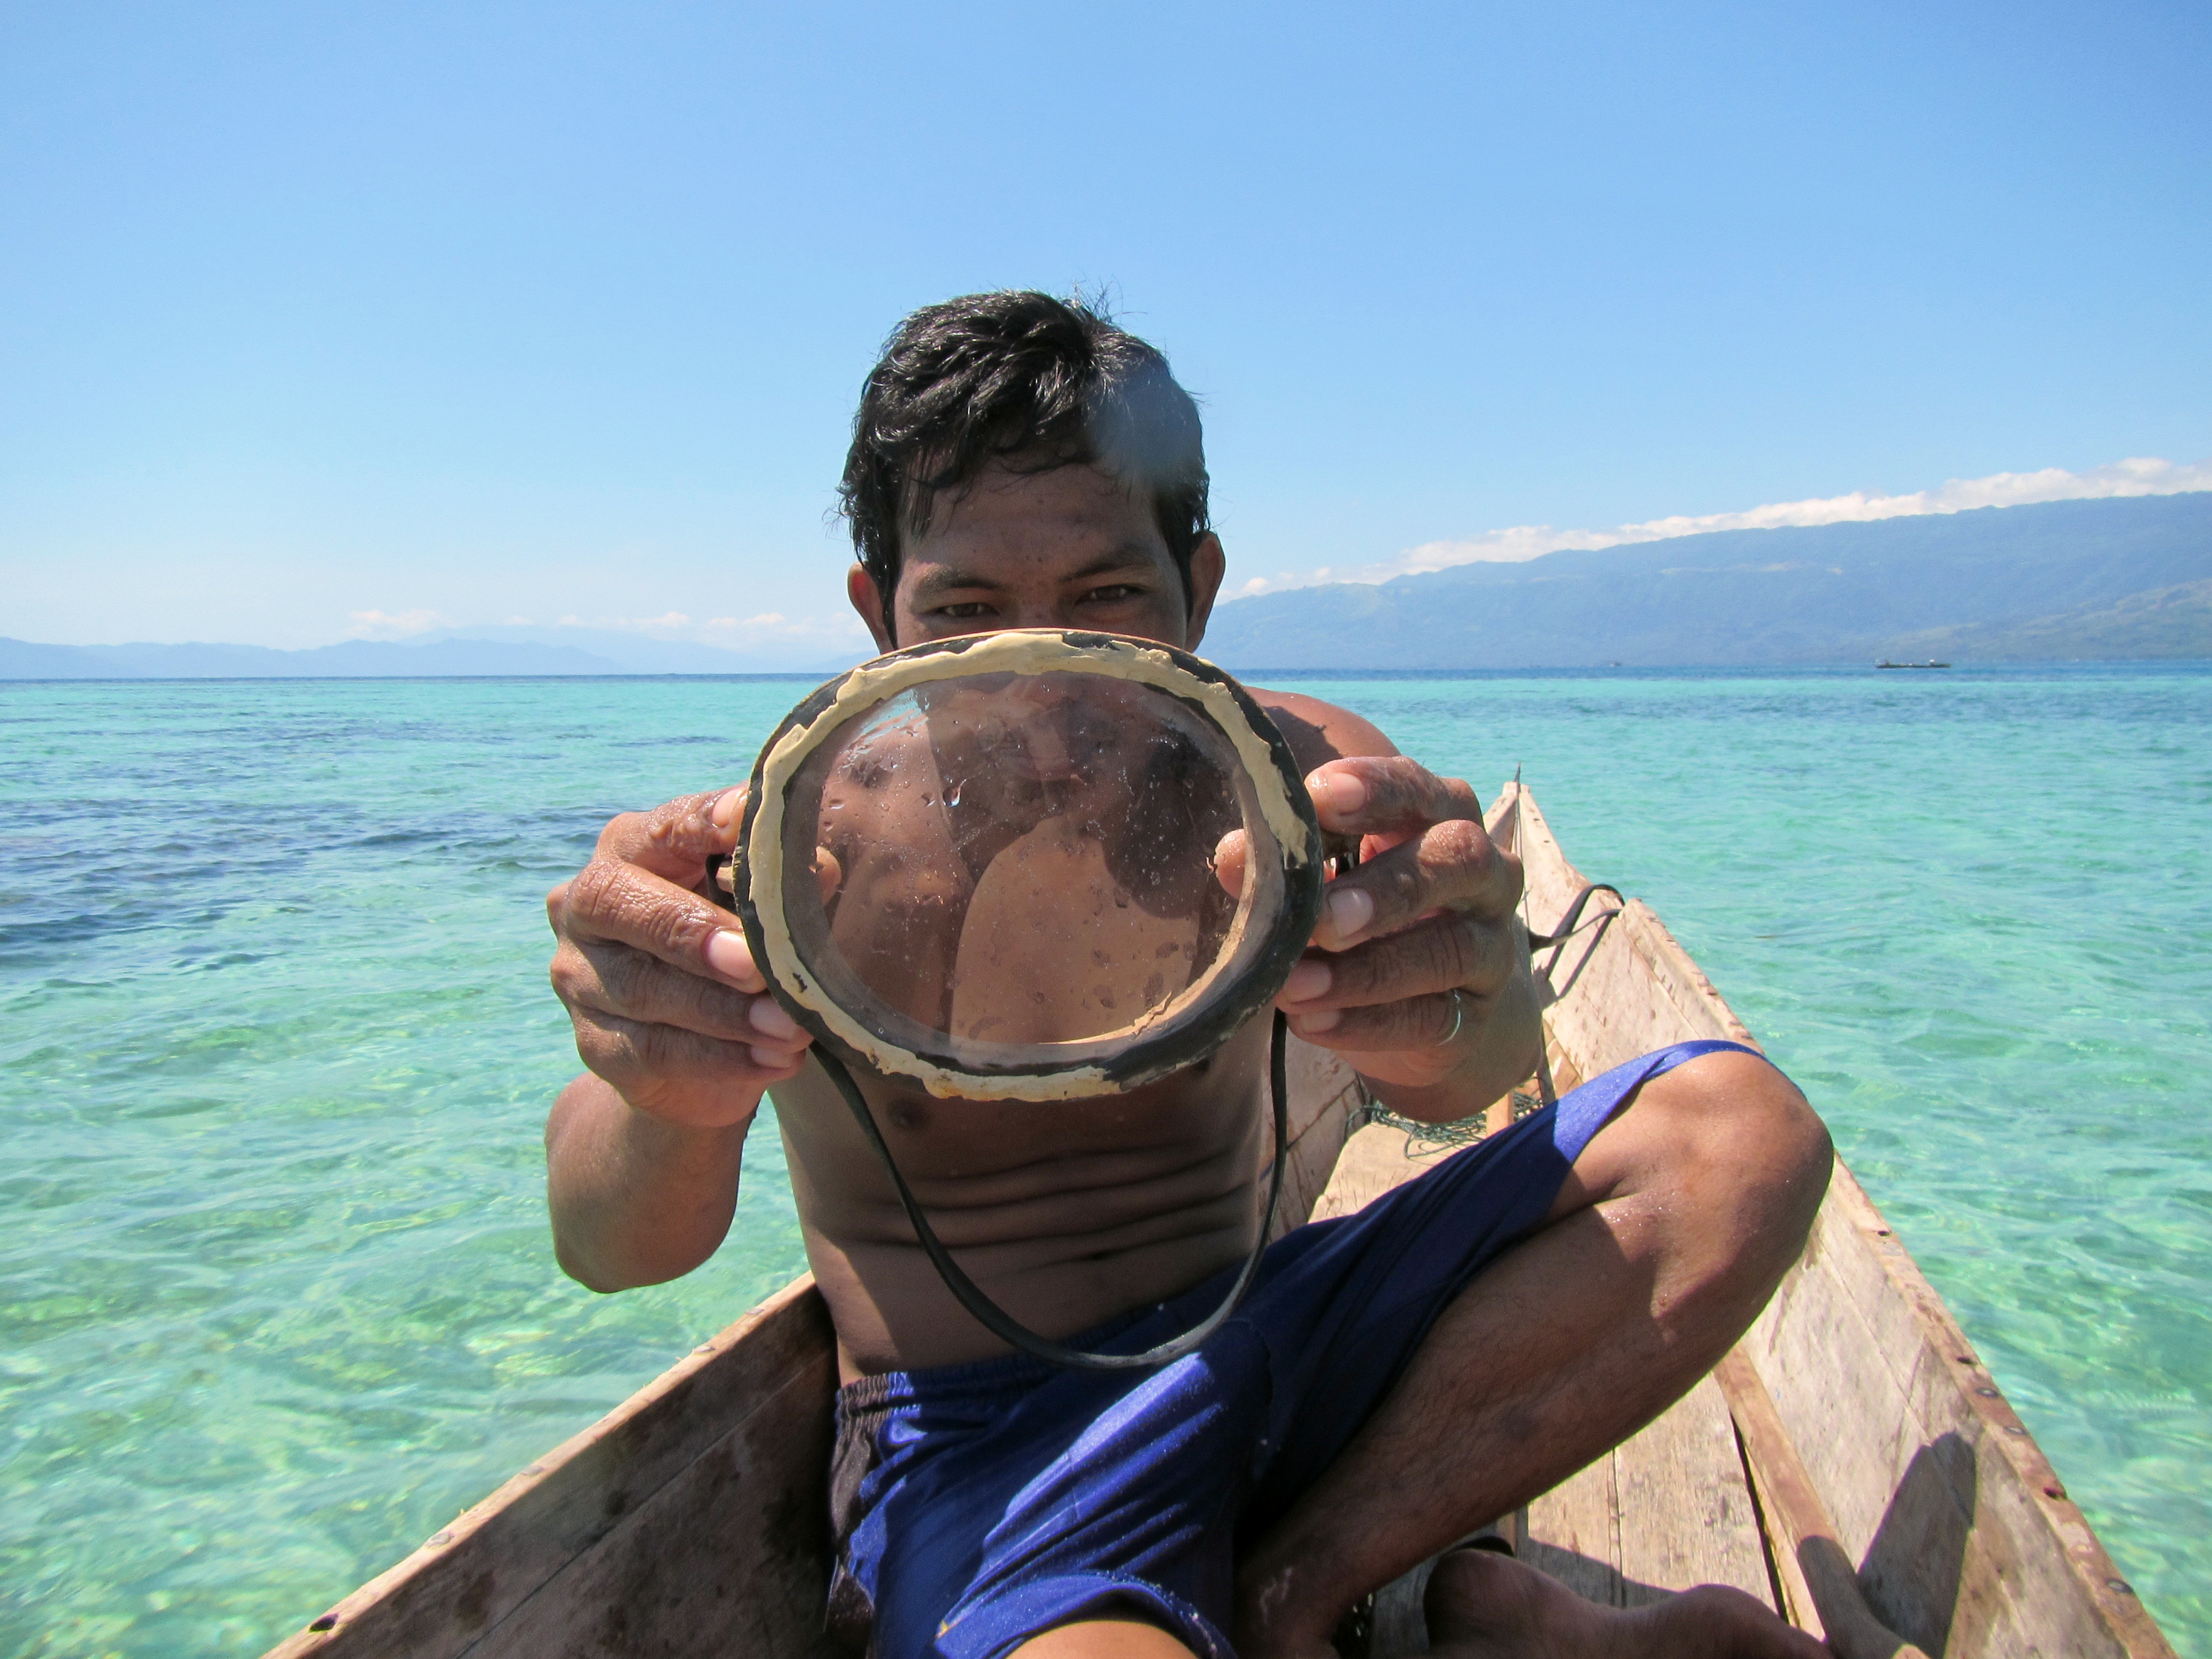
{"x": 1271, "y": 950}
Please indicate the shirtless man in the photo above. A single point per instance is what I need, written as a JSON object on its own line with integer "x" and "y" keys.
{"x": 1395, "y": 1379}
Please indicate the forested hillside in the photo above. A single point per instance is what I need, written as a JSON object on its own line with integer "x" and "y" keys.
{"x": 2067, "y": 580}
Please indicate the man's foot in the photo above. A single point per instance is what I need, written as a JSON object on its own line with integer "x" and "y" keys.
{"x": 1485, "y": 1606}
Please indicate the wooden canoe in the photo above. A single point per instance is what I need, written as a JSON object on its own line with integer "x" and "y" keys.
{"x": 1851, "y": 1463}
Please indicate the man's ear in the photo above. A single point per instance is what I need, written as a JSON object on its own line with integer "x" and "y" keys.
{"x": 868, "y": 599}
{"x": 1208, "y": 564}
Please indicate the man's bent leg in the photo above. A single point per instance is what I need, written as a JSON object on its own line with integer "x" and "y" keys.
{"x": 1668, "y": 1235}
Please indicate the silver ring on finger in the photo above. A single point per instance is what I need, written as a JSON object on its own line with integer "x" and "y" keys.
{"x": 1459, "y": 1018}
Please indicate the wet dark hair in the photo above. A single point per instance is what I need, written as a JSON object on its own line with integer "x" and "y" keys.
{"x": 1031, "y": 382}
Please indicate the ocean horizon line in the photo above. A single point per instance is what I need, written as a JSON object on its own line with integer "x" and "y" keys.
{"x": 1533, "y": 671}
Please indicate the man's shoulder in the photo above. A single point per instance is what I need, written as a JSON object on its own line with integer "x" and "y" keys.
{"x": 1320, "y": 732}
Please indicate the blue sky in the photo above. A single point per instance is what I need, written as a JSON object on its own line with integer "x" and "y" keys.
{"x": 315, "y": 316}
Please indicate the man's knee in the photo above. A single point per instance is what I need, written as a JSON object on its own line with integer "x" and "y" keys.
{"x": 1724, "y": 1142}
{"x": 1741, "y": 1104}
{"x": 1732, "y": 1138}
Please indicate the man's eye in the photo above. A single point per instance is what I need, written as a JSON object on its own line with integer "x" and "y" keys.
{"x": 1113, "y": 591}
{"x": 966, "y": 611}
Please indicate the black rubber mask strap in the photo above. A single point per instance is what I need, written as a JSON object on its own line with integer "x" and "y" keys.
{"x": 1003, "y": 1325}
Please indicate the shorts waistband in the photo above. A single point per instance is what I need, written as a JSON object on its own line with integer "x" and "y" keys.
{"x": 1002, "y": 1374}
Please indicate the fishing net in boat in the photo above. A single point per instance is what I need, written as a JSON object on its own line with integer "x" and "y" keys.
{"x": 1038, "y": 865}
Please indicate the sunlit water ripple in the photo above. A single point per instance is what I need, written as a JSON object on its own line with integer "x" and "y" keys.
{"x": 275, "y": 1297}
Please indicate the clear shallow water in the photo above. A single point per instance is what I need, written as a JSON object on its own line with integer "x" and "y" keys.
{"x": 276, "y": 1299}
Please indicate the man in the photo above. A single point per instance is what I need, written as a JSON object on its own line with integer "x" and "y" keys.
{"x": 1395, "y": 1379}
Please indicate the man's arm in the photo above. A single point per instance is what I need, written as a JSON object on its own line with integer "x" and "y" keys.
{"x": 642, "y": 1151}
{"x": 635, "y": 1201}
{"x": 1419, "y": 973}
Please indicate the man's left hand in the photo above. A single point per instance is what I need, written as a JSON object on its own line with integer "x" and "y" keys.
{"x": 1419, "y": 973}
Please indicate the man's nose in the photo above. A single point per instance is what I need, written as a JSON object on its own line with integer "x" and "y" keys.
{"x": 1042, "y": 610}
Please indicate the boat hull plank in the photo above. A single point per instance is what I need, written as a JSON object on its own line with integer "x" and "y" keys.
{"x": 731, "y": 1557}
{"x": 508, "y": 1550}
{"x": 1964, "y": 1538}
{"x": 1686, "y": 1516}
{"x": 1668, "y": 1509}
{"x": 1573, "y": 1533}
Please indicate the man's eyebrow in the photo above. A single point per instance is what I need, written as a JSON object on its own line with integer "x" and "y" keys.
{"x": 945, "y": 578}
{"x": 1128, "y": 555}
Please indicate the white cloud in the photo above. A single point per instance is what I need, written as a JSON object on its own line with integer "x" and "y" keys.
{"x": 2146, "y": 476}
{"x": 379, "y": 625}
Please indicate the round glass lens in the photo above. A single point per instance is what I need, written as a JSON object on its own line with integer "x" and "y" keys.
{"x": 1003, "y": 863}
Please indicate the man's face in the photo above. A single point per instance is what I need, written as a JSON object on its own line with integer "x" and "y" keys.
{"x": 1070, "y": 548}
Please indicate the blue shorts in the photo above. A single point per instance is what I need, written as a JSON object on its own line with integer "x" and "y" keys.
{"x": 978, "y": 1505}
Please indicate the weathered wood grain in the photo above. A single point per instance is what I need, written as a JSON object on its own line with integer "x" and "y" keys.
{"x": 1687, "y": 1517}
{"x": 1574, "y": 1534}
{"x": 731, "y": 1557}
{"x": 1823, "y": 1590}
{"x": 1963, "y": 1536}
{"x": 478, "y": 1570}
{"x": 1668, "y": 1509}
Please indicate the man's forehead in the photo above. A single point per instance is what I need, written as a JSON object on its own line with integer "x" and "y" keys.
{"x": 1064, "y": 512}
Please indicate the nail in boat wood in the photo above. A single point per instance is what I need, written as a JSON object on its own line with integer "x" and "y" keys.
{"x": 1851, "y": 1463}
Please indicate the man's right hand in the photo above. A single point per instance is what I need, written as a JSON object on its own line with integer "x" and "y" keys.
{"x": 668, "y": 1006}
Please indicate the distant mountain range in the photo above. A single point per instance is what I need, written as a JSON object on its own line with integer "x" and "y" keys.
{"x": 2091, "y": 579}
{"x": 2098, "y": 580}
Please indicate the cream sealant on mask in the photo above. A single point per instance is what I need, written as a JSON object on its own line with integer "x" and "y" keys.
{"x": 990, "y": 864}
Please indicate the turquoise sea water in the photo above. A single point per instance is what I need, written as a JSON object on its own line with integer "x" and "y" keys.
{"x": 276, "y": 1298}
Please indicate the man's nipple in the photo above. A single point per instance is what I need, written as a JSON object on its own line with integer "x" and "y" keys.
{"x": 909, "y": 1113}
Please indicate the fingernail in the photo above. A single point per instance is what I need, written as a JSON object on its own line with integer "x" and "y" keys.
{"x": 1315, "y": 1023}
{"x": 728, "y": 955}
{"x": 767, "y": 1016}
{"x": 1340, "y": 792}
{"x": 1349, "y": 909}
{"x": 726, "y": 807}
{"x": 1308, "y": 980}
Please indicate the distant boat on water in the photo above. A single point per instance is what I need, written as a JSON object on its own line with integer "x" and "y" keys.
{"x": 1930, "y": 662}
